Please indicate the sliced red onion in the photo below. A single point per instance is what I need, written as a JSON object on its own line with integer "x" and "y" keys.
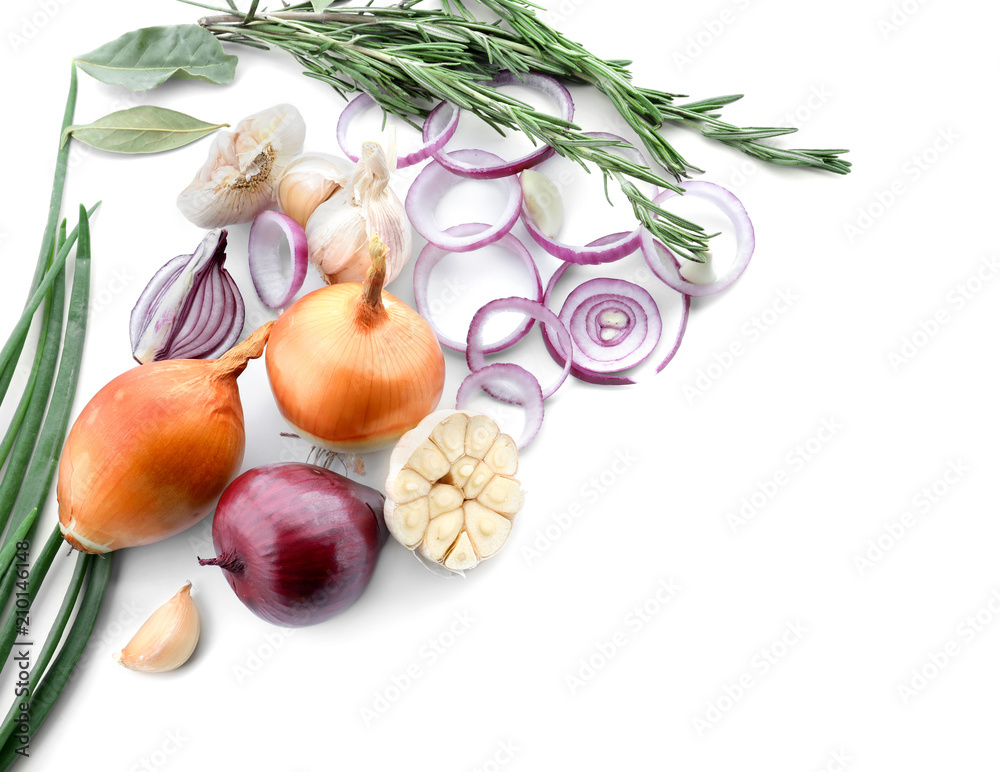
{"x": 445, "y": 121}
{"x": 191, "y": 308}
{"x": 431, "y": 255}
{"x": 602, "y": 250}
{"x": 594, "y": 361}
{"x": 669, "y": 271}
{"x": 430, "y": 186}
{"x": 527, "y": 390}
{"x": 461, "y": 166}
{"x": 475, "y": 355}
{"x": 275, "y": 283}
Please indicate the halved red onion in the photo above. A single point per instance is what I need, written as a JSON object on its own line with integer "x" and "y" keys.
{"x": 190, "y": 309}
{"x": 669, "y": 271}
{"x": 475, "y": 356}
{"x": 461, "y": 166}
{"x": 603, "y": 250}
{"x": 430, "y": 186}
{"x": 445, "y": 121}
{"x": 528, "y": 394}
{"x": 431, "y": 255}
{"x": 594, "y": 360}
{"x": 275, "y": 282}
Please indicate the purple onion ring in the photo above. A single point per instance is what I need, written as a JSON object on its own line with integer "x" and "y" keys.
{"x": 431, "y": 255}
{"x": 444, "y": 122}
{"x": 529, "y": 394}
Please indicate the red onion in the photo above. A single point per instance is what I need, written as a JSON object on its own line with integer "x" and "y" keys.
{"x": 455, "y": 163}
{"x": 669, "y": 270}
{"x": 298, "y": 542}
{"x": 191, "y": 308}
{"x": 475, "y": 355}
{"x": 276, "y": 285}
{"x": 528, "y": 394}
{"x": 595, "y": 356}
{"x": 431, "y": 255}
{"x": 429, "y": 188}
{"x": 443, "y": 120}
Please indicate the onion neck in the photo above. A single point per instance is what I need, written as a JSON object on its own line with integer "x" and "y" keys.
{"x": 227, "y": 561}
{"x": 234, "y": 361}
{"x": 371, "y": 310}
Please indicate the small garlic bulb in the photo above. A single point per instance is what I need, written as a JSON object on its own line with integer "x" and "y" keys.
{"x": 308, "y": 181}
{"x": 451, "y": 494}
{"x": 167, "y": 639}
{"x": 239, "y": 180}
{"x": 339, "y": 229}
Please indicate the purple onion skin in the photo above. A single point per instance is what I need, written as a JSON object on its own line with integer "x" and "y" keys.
{"x": 298, "y": 543}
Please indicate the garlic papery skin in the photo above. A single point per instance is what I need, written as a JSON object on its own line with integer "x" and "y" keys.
{"x": 308, "y": 181}
{"x": 167, "y": 639}
{"x": 239, "y": 180}
{"x": 339, "y": 229}
{"x": 451, "y": 494}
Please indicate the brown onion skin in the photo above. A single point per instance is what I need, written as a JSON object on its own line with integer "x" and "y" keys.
{"x": 298, "y": 543}
{"x": 149, "y": 455}
{"x": 348, "y": 387}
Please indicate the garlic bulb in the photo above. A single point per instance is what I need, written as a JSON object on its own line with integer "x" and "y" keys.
{"x": 239, "y": 180}
{"x": 167, "y": 639}
{"x": 451, "y": 494}
{"x": 339, "y": 229}
{"x": 308, "y": 181}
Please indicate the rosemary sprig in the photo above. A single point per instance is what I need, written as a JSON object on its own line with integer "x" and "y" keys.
{"x": 409, "y": 58}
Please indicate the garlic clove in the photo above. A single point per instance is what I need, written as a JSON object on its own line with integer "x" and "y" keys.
{"x": 239, "y": 179}
{"x": 480, "y": 436}
{"x": 339, "y": 228}
{"x": 487, "y": 530}
{"x": 462, "y": 555}
{"x": 441, "y": 534}
{"x": 410, "y": 521}
{"x": 543, "y": 202}
{"x": 308, "y": 181}
{"x": 449, "y": 435}
{"x": 444, "y": 498}
{"x": 471, "y": 500}
{"x": 167, "y": 639}
{"x": 409, "y": 486}
{"x": 698, "y": 273}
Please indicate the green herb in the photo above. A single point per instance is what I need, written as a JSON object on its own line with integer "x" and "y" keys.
{"x": 145, "y": 58}
{"x": 408, "y": 58}
{"x": 144, "y": 129}
{"x": 33, "y": 442}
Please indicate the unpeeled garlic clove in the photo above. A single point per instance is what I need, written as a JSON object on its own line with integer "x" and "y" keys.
{"x": 450, "y": 494}
{"x": 167, "y": 639}
{"x": 308, "y": 181}
{"x": 543, "y": 202}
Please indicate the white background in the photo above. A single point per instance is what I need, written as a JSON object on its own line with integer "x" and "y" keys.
{"x": 544, "y": 661}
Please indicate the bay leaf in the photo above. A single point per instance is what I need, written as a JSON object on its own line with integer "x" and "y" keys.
{"x": 145, "y": 58}
{"x": 144, "y": 129}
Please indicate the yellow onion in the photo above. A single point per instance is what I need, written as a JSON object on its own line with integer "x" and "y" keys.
{"x": 352, "y": 368}
{"x": 153, "y": 450}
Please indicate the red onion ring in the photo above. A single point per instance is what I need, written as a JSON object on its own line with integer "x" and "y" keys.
{"x": 430, "y": 186}
{"x": 274, "y": 286}
{"x": 601, "y": 374}
{"x": 529, "y": 391}
{"x": 730, "y": 205}
{"x": 602, "y": 250}
{"x": 431, "y": 255}
{"x": 475, "y": 356}
{"x": 543, "y": 83}
{"x": 444, "y": 125}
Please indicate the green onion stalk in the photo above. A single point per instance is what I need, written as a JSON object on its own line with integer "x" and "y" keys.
{"x": 409, "y": 58}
